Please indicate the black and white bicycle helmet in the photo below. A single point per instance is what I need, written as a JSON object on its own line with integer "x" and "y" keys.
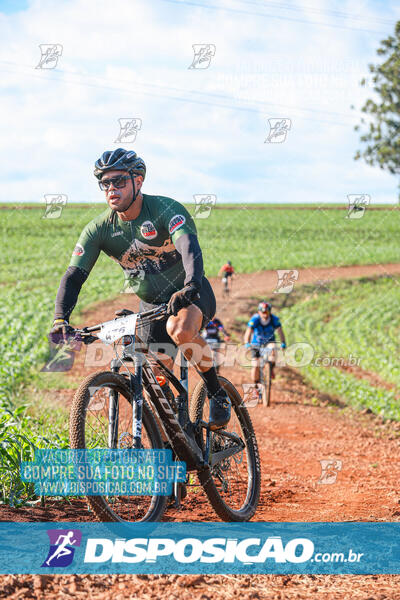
{"x": 122, "y": 160}
{"x": 264, "y": 306}
{"x": 119, "y": 159}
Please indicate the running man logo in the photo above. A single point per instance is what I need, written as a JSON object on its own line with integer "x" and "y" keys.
{"x": 62, "y": 547}
{"x": 62, "y": 356}
{"x": 357, "y": 205}
{"x": 50, "y": 53}
{"x": 251, "y": 394}
{"x": 132, "y": 284}
{"x": 98, "y": 398}
{"x": 286, "y": 280}
{"x": 54, "y": 205}
{"x": 203, "y": 54}
{"x": 128, "y": 129}
{"x": 204, "y": 204}
{"x": 278, "y": 129}
{"x": 329, "y": 471}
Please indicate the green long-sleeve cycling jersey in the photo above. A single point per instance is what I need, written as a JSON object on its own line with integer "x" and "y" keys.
{"x": 144, "y": 247}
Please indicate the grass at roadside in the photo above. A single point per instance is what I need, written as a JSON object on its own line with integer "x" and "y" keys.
{"x": 22, "y": 430}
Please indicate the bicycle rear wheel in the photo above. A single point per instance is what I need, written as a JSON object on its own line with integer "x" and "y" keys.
{"x": 266, "y": 385}
{"x": 232, "y": 485}
{"x": 225, "y": 289}
{"x": 89, "y": 428}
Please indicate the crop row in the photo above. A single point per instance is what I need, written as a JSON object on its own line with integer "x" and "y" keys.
{"x": 358, "y": 319}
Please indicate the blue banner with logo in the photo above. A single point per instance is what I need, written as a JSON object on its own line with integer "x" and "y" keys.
{"x": 238, "y": 548}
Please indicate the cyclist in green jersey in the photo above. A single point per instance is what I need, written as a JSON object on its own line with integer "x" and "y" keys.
{"x": 154, "y": 240}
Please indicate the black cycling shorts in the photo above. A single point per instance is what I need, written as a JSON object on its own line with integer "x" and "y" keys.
{"x": 156, "y": 332}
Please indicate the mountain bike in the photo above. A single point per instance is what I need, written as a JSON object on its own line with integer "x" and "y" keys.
{"x": 127, "y": 407}
{"x": 266, "y": 366}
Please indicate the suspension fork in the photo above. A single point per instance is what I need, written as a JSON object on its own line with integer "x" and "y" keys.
{"x": 113, "y": 410}
{"x": 137, "y": 400}
{"x": 135, "y": 383}
{"x": 183, "y": 399}
{"x": 183, "y": 402}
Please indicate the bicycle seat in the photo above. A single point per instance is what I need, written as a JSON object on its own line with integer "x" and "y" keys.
{"x": 123, "y": 312}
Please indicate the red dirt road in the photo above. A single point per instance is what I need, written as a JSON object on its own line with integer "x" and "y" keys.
{"x": 300, "y": 429}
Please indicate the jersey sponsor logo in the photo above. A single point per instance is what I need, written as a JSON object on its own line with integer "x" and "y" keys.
{"x": 148, "y": 230}
{"x": 176, "y": 222}
{"x": 116, "y": 233}
{"x": 78, "y": 250}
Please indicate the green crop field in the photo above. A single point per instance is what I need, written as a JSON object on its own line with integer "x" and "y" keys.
{"x": 351, "y": 323}
{"x": 38, "y": 250}
{"x": 36, "y": 254}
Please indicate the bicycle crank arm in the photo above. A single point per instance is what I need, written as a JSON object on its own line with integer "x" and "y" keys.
{"x": 218, "y": 457}
{"x": 222, "y": 432}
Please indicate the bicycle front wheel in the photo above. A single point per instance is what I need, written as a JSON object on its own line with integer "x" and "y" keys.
{"x": 232, "y": 485}
{"x": 91, "y": 427}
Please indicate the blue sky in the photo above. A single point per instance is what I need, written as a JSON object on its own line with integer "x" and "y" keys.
{"x": 203, "y": 131}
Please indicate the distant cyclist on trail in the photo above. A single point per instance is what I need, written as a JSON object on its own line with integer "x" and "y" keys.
{"x": 155, "y": 235}
{"x": 212, "y": 331}
{"x": 226, "y": 272}
{"x": 212, "y": 334}
{"x": 261, "y": 331}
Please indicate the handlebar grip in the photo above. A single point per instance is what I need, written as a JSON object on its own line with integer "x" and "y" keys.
{"x": 161, "y": 309}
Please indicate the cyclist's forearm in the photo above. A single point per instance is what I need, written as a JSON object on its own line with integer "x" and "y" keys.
{"x": 68, "y": 292}
{"x": 188, "y": 247}
{"x": 281, "y": 335}
{"x": 247, "y": 336}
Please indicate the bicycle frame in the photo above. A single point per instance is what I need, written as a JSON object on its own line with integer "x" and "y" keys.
{"x": 184, "y": 446}
{"x": 179, "y": 430}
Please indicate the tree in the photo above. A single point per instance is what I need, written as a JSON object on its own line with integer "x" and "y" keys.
{"x": 383, "y": 130}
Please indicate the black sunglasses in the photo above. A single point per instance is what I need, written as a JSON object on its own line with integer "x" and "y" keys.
{"x": 117, "y": 182}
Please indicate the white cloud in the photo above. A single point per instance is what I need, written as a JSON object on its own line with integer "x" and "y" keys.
{"x": 124, "y": 59}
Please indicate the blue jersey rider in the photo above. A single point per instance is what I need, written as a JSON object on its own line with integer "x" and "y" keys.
{"x": 261, "y": 332}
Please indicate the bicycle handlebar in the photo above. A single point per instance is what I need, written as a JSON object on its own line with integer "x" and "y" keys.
{"x": 253, "y": 345}
{"x": 147, "y": 316}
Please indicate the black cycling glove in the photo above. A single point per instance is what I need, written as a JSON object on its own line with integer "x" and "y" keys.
{"x": 61, "y": 332}
{"x": 183, "y": 298}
